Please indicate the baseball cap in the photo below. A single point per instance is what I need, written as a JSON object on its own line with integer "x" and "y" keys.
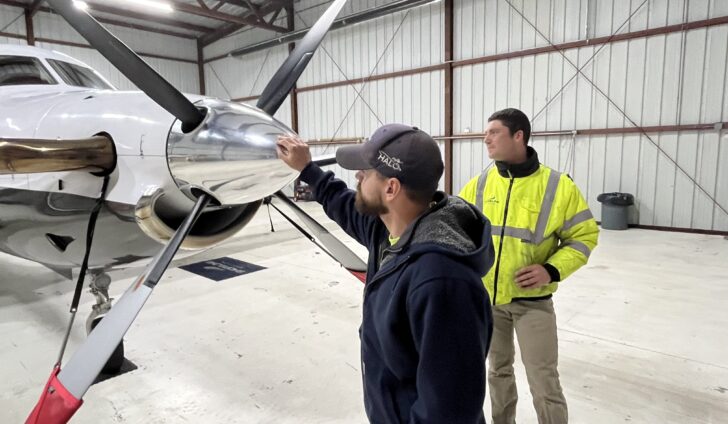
{"x": 397, "y": 151}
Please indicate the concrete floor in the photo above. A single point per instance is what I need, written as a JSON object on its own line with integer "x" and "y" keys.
{"x": 643, "y": 331}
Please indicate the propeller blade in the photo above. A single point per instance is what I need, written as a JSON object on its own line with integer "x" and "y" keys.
{"x": 333, "y": 246}
{"x": 83, "y": 368}
{"x": 131, "y": 65}
{"x": 325, "y": 160}
{"x": 287, "y": 75}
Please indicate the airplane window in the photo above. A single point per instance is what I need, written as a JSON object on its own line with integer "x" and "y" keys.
{"x": 23, "y": 70}
{"x": 79, "y": 76}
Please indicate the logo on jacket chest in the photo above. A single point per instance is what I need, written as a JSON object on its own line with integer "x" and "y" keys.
{"x": 492, "y": 200}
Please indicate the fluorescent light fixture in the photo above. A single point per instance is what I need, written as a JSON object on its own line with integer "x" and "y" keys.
{"x": 80, "y": 4}
{"x": 158, "y": 5}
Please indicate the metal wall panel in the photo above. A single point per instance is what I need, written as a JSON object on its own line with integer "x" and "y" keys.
{"x": 601, "y": 164}
{"x": 12, "y": 21}
{"x": 400, "y": 41}
{"x": 674, "y": 79}
{"x": 53, "y": 26}
{"x": 180, "y": 74}
{"x": 360, "y": 50}
{"x": 664, "y": 195}
{"x": 12, "y": 40}
{"x": 245, "y": 76}
{"x": 306, "y": 14}
{"x": 486, "y": 27}
{"x": 414, "y": 99}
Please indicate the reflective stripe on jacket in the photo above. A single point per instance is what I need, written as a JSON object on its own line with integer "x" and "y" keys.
{"x": 547, "y": 221}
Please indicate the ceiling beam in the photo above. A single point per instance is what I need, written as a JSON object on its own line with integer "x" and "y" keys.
{"x": 275, "y": 16}
{"x": 253, "y": 8}
{"x": 145, "y": 28}
{"x": 226, "y": 30}
{"x": 241, "y": 3}
{"x": 34, "y": 7}
{"x": 246, "y": 19}
{"x": 123, "y": 24}
{"x": 14, "y": 3}
{"x": 149, "y": 17}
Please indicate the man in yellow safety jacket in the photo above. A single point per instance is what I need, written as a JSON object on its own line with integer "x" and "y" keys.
{"x": 542, "y": 232}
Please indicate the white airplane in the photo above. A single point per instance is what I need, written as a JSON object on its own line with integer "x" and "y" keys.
{"x": 94, "y": 179}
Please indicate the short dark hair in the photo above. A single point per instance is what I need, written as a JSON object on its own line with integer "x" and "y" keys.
{"x": 419, "y": 195}
{"x": 515, "y": 120}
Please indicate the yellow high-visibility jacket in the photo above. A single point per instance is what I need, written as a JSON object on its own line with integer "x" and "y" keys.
{"x": 538, "y": 216}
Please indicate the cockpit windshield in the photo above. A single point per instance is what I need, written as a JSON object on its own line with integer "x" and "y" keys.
{"x": 79, "y": 76}
{"x": 23, "y": 70}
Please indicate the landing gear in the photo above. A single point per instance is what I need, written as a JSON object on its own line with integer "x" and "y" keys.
{"x": 99, "y": 287}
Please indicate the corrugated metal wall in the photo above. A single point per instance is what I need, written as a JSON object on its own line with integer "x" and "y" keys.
{"x": 671, "y": 79}
{"x": 246, "y": 76}
{"x": 182, "y": 75}
{"x": 12, "y": 21}
{"x": 397, "y": 42}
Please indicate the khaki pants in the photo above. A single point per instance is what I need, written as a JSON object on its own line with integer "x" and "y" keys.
{"x": 535, "y": 325}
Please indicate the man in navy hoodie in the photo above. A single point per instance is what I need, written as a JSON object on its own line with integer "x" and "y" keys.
{"x": 426, "y": 322}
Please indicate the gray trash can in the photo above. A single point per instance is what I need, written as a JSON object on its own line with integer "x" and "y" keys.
{"x": 614, "y": 210}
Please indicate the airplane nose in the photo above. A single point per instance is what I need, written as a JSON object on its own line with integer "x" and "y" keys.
{"x": 231, "y": 155}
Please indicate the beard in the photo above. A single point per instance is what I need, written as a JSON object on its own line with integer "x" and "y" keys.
{"x": 368, "y": 207}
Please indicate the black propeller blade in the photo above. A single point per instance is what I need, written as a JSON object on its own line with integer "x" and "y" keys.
{"x": 325, "y": 160}
{"x": 285, "y": 78}
{"x": 131, "y": 65}
{"x": 334, "y": 246}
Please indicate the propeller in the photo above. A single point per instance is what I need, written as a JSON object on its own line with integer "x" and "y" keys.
{"x": 129, "y": 64}
{"x": 63, "y": 393}
{"x": 285, "y": 78}
{"x": 65, "y": 388}
{"x": 325, "y": 160}
{"x": 333, "y": 246}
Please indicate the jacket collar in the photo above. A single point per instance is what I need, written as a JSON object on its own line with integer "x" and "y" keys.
{"x": 438, "y": 201}
{"x": 520, "y": 170}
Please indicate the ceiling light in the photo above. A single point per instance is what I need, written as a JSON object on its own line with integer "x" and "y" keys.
{"x": 158, "y": 5}
{"x": 80, "y": 4}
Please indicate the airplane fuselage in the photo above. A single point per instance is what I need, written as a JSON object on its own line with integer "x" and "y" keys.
{"x": 44, "y": 216}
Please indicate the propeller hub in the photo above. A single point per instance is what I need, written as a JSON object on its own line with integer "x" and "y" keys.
{"x": 231, "y": 155}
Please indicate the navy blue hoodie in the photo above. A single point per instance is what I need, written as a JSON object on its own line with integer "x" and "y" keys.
{"x": 427, "y": 321}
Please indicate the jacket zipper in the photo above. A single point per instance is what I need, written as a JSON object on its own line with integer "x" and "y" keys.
{"x": 502, "y": 234}
{"x": 379, "y": 277}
